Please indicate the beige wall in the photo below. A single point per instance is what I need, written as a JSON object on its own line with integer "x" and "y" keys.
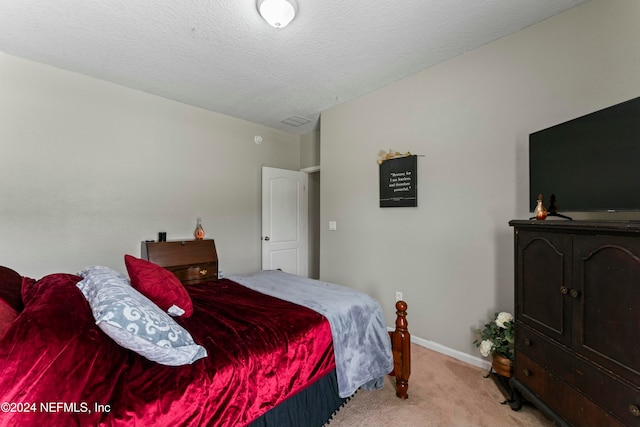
{"x": 470, "y": 117}
{"x": 310, "y": 150}
{"x": 88, "y": 169}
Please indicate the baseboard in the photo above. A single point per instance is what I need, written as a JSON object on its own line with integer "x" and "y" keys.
{"x": 464, "y": 357}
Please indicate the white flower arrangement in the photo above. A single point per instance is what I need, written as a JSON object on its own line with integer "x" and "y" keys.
{"x": 497, "y": 336}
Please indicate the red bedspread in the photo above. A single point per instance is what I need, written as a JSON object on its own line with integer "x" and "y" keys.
{"x": 58, "y": 369}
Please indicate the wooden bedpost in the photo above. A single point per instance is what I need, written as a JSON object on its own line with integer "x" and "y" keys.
{"x": 400, "y": 346}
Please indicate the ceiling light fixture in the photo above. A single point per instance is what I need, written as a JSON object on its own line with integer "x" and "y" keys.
{"x": 278, "y": 13}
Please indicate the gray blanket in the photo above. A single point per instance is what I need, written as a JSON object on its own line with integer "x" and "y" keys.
{"x": 361, "y": 342}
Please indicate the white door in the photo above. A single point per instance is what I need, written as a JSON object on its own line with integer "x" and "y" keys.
{"x": 284, "y": 221}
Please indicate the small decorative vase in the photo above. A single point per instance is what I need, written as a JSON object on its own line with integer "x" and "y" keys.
{"x": 540, "y": 211}
{"x": 199, "y": 233}
{"x": 502, "y": 365}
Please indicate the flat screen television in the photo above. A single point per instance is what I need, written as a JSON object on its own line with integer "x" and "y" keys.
{"x": 591, "y": 163}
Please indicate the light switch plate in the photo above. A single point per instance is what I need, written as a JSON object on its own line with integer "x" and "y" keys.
{"x": 333, "y": 226}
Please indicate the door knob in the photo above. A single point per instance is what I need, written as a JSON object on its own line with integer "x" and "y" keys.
{"x": 266, "y": 238}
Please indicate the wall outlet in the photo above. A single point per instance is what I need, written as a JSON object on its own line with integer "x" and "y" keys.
{"x": 399, "y": 296}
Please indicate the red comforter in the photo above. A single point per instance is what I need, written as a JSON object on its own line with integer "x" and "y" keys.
{"x": 57, "y": 368}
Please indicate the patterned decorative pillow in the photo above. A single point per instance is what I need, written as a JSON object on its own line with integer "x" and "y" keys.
{"x": 133, "y": 321}
{"x": 159, "y": 285}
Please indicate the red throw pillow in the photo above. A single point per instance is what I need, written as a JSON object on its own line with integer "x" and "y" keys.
{"x": 7, "y": 316}
{"x": 158, "y": 284}
{"x": 11, "y": 288}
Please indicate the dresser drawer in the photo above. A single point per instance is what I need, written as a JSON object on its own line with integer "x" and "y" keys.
{"x": 192, "y": 261}
{"x": 538, "y": 347}
{"x": 560, "y": 397}
{"x": 612, "y": 393}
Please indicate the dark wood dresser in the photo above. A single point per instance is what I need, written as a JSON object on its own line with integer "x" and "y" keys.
{"x": 577, "y": 312}
{"x": 192, "y": 261}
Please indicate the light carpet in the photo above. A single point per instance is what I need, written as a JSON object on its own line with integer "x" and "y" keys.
{"x": 443, "y": 392}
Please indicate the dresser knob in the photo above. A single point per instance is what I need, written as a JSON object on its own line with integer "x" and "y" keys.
{"x": 526, "y": 372}
{"x": 203, "y": 272}
{"x": 564, "y": 290}
{"x": 574, "y": 293}
{"x": 635, "y": 411}
{"x": 527, "y": 342}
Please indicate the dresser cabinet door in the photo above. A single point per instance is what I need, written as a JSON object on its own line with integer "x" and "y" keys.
{"x": 606, "y": 329}
{"x": 543, "y": 282}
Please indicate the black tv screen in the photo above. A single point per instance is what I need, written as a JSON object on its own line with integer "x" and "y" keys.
{"x": 591, "y": 163}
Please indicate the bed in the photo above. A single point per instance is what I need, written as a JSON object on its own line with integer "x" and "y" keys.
{"x": 243, "y": 356}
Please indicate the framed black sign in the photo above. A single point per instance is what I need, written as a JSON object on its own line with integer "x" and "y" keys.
{"x": 399, "y": 182}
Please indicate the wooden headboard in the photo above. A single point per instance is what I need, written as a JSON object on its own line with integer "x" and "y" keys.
{"x": 192, "y": 261}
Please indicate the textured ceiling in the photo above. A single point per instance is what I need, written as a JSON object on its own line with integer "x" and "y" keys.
{"x": 220, "y": 54}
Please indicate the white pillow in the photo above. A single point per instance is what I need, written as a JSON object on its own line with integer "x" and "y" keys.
{"x": 134, "y": 321}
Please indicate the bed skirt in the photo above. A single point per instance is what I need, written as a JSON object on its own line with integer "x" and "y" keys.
{"x": 312, "y": 407}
